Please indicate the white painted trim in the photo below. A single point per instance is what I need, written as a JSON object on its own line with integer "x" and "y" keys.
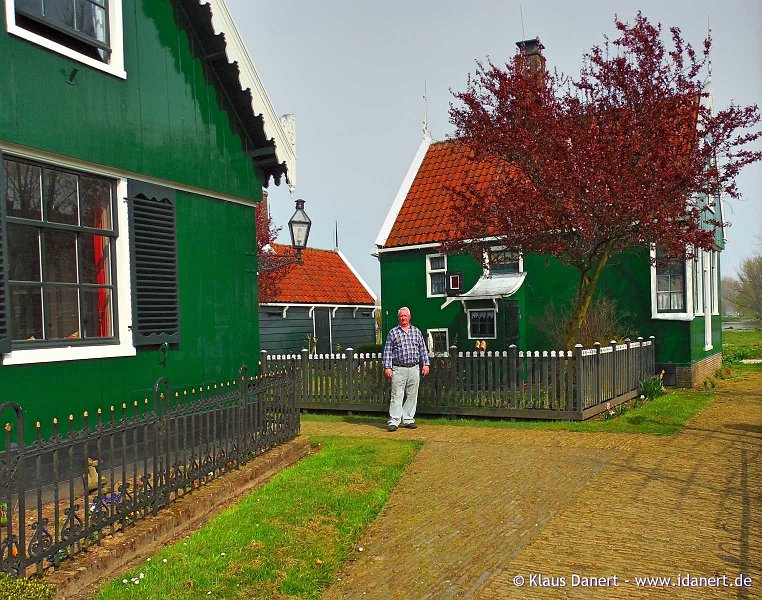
{"x": 688, "y": 315}
{"x": 357, "y": 275}
{"x": 124, "y": 347}
{"x": 276, "y": 128}
{"x": 707, "y": 300}
{"x": 333, "y": 311}
{"x": 115, "y": 66}
{"x": 429, "y": 272}
{"x": 285, "y": 310}
{"x": 313, "y": 306}
{"x": 468, "y": 323}
{"x": 114, "y": 172}
{"x": 378, "y": 251}
{"x": 407, "y": 183}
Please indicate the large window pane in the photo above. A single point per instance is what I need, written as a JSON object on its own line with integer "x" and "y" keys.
{"x": 60, "y": 194}
{"x": 30, "y": 7}
{"x": 95, "y": 259}
{"x": 26, "y": 312}
{"x": 23, "y": 190}
{"x": 60, "y": 12}
{"x": 482, "y": 323}
{"x": 438, "y": 283}
{"x": 62, "y": 305}
{"x": 60, "y": 256}
{"x": 436, "y": 262}
{"x": 97, "y": 313}
{"x": 23, "y": 253}
{"x": 95, "y": 202}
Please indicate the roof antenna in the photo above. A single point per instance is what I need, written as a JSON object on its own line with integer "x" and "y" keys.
{"x": 425, "y": 112}
{"x": 337, "y": 235}
{"x": 521, "y": 12}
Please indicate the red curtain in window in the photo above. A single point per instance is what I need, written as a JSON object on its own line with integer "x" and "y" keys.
{"x": 101, "y": 278}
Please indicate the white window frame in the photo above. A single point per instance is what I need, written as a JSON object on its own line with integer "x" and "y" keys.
{"x": 430, "y": 271}
{"x": 500, "y": 249}
{"x": 688, "y": 314}
{"x": 715, "y": 274}
{"x": 124, "y": 347}
{"x": 114, "y": 67}
{"x": 481, "y": 337}
{"x": 697, "y": 269}
{"x": 430, "y": 338}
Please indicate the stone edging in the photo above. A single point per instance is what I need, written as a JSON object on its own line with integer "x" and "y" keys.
{"x": 81, "y": 577}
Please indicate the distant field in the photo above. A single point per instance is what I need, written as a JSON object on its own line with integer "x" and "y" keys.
{"x": 741, "y": 344}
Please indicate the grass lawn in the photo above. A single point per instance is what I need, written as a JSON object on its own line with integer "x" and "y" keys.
{"x": 740, "y": 344}
{"x": 286, "y": 539}
{"x": 662, "y": 416}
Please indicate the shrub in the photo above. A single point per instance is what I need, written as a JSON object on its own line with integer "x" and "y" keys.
{"x": 604, "y": 323}
{"x": 366, "y": 348}
{"x": 652, "y": 387}
{"x": 24, "y": 589}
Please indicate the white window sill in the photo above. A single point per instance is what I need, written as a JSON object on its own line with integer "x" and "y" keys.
{"x": 708, "y": 347}
{"x": 673, "y": 316}
{"x": 47, "y": 355}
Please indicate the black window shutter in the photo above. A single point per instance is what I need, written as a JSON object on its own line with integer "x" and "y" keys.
{"x": 153, "y": 250}
{"x": 5, "y": 313}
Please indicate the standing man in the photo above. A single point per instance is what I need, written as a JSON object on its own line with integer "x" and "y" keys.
{"x": 404, "y": 352}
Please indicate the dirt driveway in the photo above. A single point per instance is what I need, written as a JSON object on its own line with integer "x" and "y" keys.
{"x": 501, "y": 513}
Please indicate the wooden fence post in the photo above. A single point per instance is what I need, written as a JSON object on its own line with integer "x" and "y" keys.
{"x": 580, "y": 387}
{"x": 652, "y": 355}
{"x": 351, "y": 372}
{"x": 262, "y": 362}
{"x": 305, "y": 357}
{"x": 453, "y": 378}
{"x": 513, "y": 354}
{"x": 627, "y": 361}
{"x": 614, "y": 375}
{"x": 597, "y": 373}
{"x": 640, "y": 361}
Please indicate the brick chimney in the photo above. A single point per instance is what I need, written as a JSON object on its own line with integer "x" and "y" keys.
{"x": 532, "y": 50}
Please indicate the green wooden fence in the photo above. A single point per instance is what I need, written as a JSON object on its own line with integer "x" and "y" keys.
{"x": 566, "y": 385}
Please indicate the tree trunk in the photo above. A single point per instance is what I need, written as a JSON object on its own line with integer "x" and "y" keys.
{"x": 587, "y": 285}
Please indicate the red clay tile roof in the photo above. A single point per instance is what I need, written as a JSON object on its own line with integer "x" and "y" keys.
{"x": 428, "y": 208}
{"x": 324, "y": 278}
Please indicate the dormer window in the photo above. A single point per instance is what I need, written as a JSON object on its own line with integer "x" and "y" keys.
{"x": 504, "y": 261}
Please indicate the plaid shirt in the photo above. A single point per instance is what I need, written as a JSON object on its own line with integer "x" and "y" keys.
{"x": 405, "y": 347}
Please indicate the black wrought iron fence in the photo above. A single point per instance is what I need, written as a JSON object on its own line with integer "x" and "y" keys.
{"x": 62, "y": 494}
{"x": 557, "y": 384}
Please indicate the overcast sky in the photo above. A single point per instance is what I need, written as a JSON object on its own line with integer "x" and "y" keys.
{"x": 353, "y": 73}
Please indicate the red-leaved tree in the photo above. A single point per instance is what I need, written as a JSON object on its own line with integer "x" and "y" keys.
{"x": 267, "y": 231}
{"x": 625, "y": 155}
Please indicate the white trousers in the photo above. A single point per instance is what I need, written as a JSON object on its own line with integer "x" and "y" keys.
{"x": 404, "y": 394}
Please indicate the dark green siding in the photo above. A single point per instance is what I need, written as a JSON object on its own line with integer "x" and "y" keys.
{"x": 289, "y": 335}
{"x": 626, "y": 280}
{"x": 164, "y": 120}
{"x": 349, "y": 332}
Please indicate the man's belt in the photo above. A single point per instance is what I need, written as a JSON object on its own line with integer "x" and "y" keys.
{"x": 400, "y": 364}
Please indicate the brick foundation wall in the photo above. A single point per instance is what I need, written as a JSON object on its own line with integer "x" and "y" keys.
{"x": 695, "y": 374}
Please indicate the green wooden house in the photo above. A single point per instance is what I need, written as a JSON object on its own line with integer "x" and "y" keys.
{"x": 135, "y": 138}
{"x": 455, "y": 300}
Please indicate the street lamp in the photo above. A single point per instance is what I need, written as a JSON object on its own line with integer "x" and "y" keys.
{"x": 299, "y": 226}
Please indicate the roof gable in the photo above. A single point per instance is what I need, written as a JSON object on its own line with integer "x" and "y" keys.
{"x": 427, "y": 210}
{"x": 268, "y": 140}
{"x": 326, "y": 277}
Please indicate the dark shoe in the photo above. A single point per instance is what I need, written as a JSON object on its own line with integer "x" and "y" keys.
{"x": 391, "y": 428}
{"x": 410, "y": 426}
